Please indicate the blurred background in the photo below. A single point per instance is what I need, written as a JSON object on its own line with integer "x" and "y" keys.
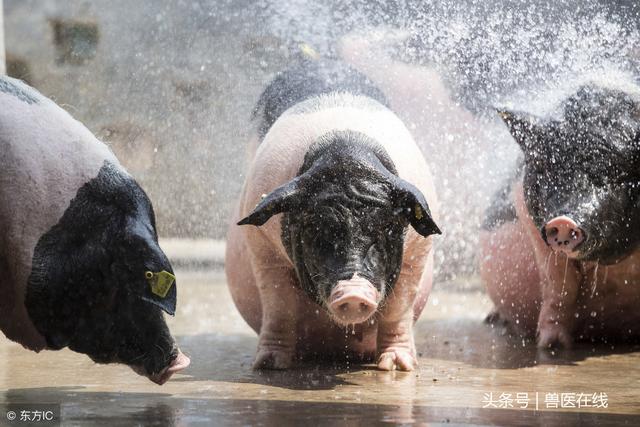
{"x": 170, "y": 85}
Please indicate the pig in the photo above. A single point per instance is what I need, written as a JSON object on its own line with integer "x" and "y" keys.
{"x": 80, "y": 264}
{"x": 561, "y": 241}
{"x": 346, "y": 269}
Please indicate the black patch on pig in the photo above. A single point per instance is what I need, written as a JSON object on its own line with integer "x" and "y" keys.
{"x": 8, "y": 86}
{"x": 348, "y": 223}
{"x": 586, "y": 165}
{"x": 502, "y": 209}
{"x": 87, "y": 288}
{"x": 308, "y": 79}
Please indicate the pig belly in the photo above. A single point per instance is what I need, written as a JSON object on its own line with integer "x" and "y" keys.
{"x": 510, "y": 275}
{"x": 317, "y": 335}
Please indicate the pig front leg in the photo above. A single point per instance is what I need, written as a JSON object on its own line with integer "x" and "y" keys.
{"x": 279, "y": 301}
{"x": 396, "y": 346}
{"x": 559, "y": 285}
{"x": 559, "y": 282}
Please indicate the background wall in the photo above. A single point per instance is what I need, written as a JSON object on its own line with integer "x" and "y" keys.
{"x": 2, "y": 63}
{"x": 169, "y": 84}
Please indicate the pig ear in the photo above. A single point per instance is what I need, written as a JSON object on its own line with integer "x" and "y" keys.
{"x": 283, "y": 199}
{"x": 525, "y": 128}
{"x": 413, "y": 203}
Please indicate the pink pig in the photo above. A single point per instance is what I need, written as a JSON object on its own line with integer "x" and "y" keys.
{"x": 347, "y": 269}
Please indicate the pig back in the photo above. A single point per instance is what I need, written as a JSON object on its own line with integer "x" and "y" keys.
{"x": 45, "y": 157}
{"x": 281, "y": 153}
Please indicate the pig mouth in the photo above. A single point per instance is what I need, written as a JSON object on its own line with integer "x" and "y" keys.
{"x": 179, "y": 362}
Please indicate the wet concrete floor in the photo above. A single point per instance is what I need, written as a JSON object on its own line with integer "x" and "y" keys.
{"x": 469, "y": 372}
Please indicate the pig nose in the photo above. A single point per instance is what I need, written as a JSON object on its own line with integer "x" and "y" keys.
{"x": 353, "y": 302}
{"x": 178, "y": 364}
{"x": 562, "y": 234}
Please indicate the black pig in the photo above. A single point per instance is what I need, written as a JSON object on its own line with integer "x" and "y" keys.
{"x": 561, "y": 242}
{"x": 80, "y": 265}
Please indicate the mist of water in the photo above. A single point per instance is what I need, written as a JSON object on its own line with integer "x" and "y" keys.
{"x": 172, "y": 85}
{"x": 447, "y": 65}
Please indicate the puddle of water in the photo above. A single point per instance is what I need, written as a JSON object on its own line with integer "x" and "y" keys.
{"x": 461, "y": 359}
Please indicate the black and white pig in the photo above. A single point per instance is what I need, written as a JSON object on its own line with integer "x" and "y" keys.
{"x": 561, "y": 245}
{"x": 347, "y": 268}
{"x": 80, "y": 265}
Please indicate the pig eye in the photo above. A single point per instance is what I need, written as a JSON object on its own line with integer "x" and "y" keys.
{"x": 374, "y": 253}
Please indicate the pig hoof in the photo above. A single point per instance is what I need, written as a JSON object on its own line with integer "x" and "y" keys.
{"x": 399, "y": 359}
{"x": 554, "y": 337}
{"x": 272, "y": 359}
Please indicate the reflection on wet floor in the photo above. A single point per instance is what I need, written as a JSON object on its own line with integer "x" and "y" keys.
{"x": 462, "y": 360}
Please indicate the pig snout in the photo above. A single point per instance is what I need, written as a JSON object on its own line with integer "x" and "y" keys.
{"x": 353, "y": 301}
{"x": 562, "y": 234}
{"x": 180, "y": 362}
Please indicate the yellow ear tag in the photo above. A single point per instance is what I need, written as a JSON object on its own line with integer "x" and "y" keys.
{"x": 418, "y": 212}
{"x": 160, "y": 282}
